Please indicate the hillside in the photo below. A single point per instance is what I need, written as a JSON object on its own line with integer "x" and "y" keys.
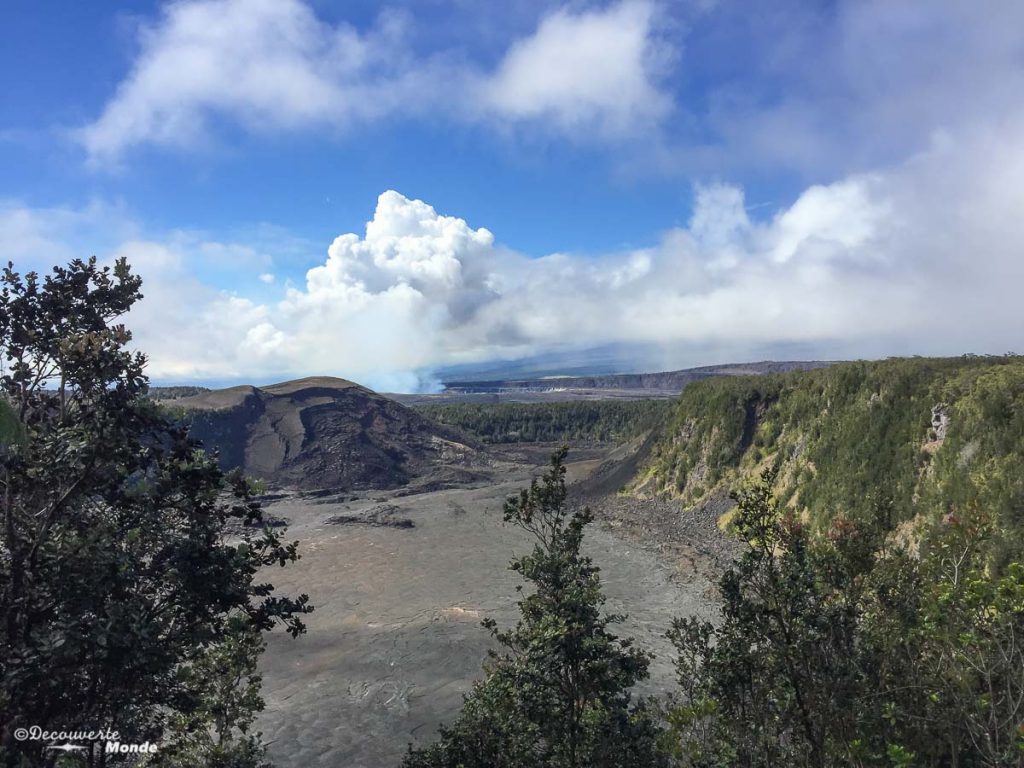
{"x": 320, "y": 433}
{"x": 174, "y": 393}
{"x": 930, "y": 436}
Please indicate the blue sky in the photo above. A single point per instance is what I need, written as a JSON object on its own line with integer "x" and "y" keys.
{"x": 684, "y": 182}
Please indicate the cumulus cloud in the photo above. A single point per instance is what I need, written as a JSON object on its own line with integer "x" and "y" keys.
{"x": 269, "y": 64}
{"x": 274, "y": 65}
{"x": 908, "y": 245}
{"x": 920, "y": 258}
{"x": 189, "y": 329}
{"x": 768, "y": 85}
{"x": 595, "y": 69}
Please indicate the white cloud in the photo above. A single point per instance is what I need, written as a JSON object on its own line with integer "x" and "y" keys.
{"x": 758, "y": 85}
{"x": 268, "y": 64}
{"x": 589, "y": 70}
{"x": 825, "y": 92}
{"x": 838, "y": 218}
{"x": 274, "y": 65}
{"x": 37, "y": 238}
{"x": 921, "y": 257}
{"x": 189, "y": 329}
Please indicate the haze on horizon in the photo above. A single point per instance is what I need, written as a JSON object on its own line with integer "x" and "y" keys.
{"x": 377, "y": 192}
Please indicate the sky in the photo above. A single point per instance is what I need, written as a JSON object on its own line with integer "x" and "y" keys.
{"x": 385, "y": 191}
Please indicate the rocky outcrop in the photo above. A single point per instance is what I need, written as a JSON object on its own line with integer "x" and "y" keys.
{"x": 940, "y": 421}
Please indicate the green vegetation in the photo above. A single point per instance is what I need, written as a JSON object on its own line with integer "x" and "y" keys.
{"x": 578, "y": 421}
{"x": 10, "y": 427}
{"x": 558, "y": 696}
{"x": 833, "y": 648}
{"x": 876, "y": 615}
{"x": 849, "y": 650}
{"x": 124, "y": 604}
{"x": 928, "y": 436}
{"x": 174, "y": 393}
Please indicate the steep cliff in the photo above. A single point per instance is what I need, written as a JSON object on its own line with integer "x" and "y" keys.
{"x": 914, "y": 439}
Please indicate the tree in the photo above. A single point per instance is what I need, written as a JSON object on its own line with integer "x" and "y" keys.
{"x": 971, "y": 640}
{"x": 215, "y": 730}
{"x": 127, "y": 556}
{"x": 848, "y": 650}
{"x": 777, "y": 668}
{"x": 557, "y": 695}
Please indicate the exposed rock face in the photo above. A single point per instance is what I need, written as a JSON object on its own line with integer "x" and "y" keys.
{"x": 321, "y": 433}
{"x": 940, "y": 421}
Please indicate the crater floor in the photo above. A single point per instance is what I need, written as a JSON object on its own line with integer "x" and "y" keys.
{"x": 396, "y": 640}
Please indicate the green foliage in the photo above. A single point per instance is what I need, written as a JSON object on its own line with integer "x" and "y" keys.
{"x": 116, "y": 576}
{"x": 10, "y": 427}
{"x": 846, "y": 436}
{"x": 577, "y": 421}
{"x": 214, "y": 730}
{"x": 558, "y": 694}
{"x": 843, "y": 649}
{"x": 164, "y": 394}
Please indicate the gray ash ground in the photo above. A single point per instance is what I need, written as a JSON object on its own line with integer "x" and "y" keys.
{"x": 396, "y": 640}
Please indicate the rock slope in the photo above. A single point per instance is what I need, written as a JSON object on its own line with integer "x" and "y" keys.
{"x": 321, "y": 433}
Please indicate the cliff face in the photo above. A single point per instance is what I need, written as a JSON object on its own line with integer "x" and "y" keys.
{"x": 320, "y": 433}
{"x": 930, "y": 437}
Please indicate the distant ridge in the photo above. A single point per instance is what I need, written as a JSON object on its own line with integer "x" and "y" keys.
{"x": 667, "y": 382}
{"x": 230, "y": 397}
{"x": 320, "y": 433}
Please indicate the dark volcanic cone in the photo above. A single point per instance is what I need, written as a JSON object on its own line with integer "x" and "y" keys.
{"x": 321, "y": 432}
